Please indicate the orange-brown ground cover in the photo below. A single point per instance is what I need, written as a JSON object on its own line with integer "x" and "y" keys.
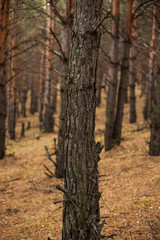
{"x": 130, "y": 185}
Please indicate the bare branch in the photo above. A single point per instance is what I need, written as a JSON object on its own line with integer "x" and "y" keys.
{"x": 59, "y": 44}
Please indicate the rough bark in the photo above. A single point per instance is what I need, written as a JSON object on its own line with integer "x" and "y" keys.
{"x": 48, "y": 119}
{"x": 4, "y": 19}
{"x": 124, "y": 74}
{"x": 152, "y": 67}
{"x": 81, "y": 198}
{"x": 66, "y": 35}
{"x": 14, "y": 68}
{"x": 154, "y": 147}
{"x": 132, "y": 70}
{"x": 111, "y": 99}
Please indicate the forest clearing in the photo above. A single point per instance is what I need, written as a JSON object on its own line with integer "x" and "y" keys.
{"x": 129, "y": 182}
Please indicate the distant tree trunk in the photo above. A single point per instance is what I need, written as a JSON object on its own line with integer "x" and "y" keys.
{"x": 99, "y": 81}
{"x": 111, "y": 99}
{"x": 124, "y": 74}
{"x": 14, "y": 69}
{"x": 24, "y": 94}
{"x": 81, "y": 195}
{"x": 4, "y": 19}
{"x": 48, "y": 120}
{"x": 154, "y": 147}
{"x": 143, "y": 79}
{"x": 132, "y": 70}
{"x": 34, "y": 96}
{"x": 41, "y": 90}
{"x": 66, "y": 34}
{"x": 152, "y": 67}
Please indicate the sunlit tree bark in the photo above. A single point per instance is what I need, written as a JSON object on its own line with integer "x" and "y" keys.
{"x": 152, "y": 66}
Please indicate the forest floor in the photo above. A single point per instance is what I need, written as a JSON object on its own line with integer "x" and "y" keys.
{"x": 129, "y": 182}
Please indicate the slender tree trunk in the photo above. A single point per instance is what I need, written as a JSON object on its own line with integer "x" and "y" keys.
{"x": 4, "y": 19}
{"x": 111, "y": 100}
{"x": 41, "y": 90}
{"x": 48, "y": 120}
{"x": 24, "y": 90}
{"x": 34, "y": 97}
{"x": 152, "y": 67}
{"x": 66, "y": 32}
{"x": 124, "y": 74}
{"x": 14, "y": 68}
{"x": 99, "y": 80}
{"x": 132, "y": 70}
{"x": 81, "y": 198}
{"x": 154, "y": 147}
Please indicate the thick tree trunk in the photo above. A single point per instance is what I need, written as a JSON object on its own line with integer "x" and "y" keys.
{"x": 48, "y": 119}
{"x": 152, "y": 67}
{"x": 132, "y": 70}
{"x": 14, "y": 68}
{"x": 111, "y": 99}
{"x": 81, "y": 198}
{"x": 124, "y": 74}
{"x": 154, "y": 148}
{"x": 66, "y": 32}
{"x": 4, "y": 19}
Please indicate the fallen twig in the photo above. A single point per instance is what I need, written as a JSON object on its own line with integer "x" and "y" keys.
{"x": 11, "y": 180}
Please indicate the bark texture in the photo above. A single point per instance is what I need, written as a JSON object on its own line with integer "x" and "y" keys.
{"x": 132, "y": 70}
{"x": 66, "y": 36}
{"x": 124, "y": 74}
{"x": 81, "y": 198}
{"x": 152, "y": 66}
{"x": 48, "y": 120}
{"x": 4, "y": 19}
{"x": 14, "y": 69}
{"x": 154, "y": 148}
{"x": 111, "y": 99}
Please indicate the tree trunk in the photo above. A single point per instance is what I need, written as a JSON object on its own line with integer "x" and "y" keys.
{"x": 154, "y": 147}
{"x": 34, "y": 96}
{"x": 48, "y": 120}
{"x": 124, "y": 74}
{"x": 81, "y": 198}
{"x": 4, "y": 19}
{"x": 99, "y": 80}
{"x": 152, "y": 67}
{"x": 41, "y": 90}
{"x": 14, "y": 68}
{"x": 111, "y": 100}
{"x": 66, "y": 32}
{"x": 24, "y": 94}
{"x": 132, "y": 70}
